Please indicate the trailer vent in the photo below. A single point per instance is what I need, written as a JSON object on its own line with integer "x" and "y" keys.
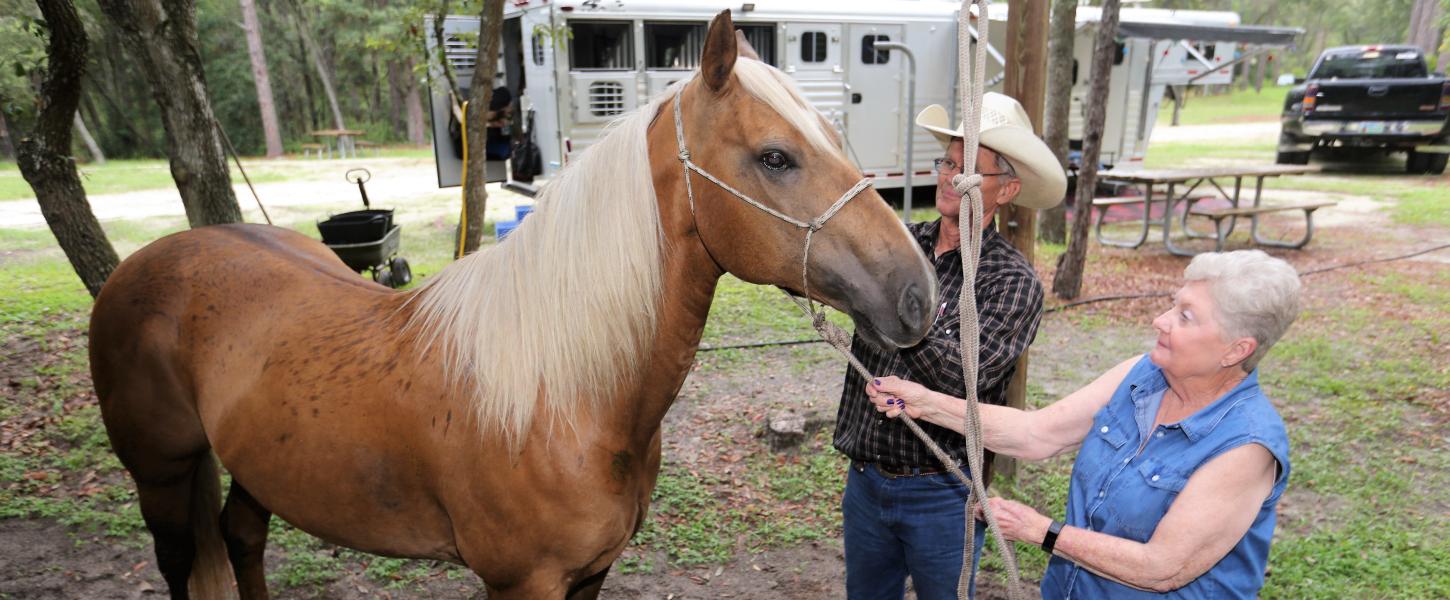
{"x": 606, "y": 98}
{"x": 462, "y": 53}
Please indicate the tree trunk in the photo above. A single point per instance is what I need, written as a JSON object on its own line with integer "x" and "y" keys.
{"x": 44, "y": 156}
{"x": 407, "y": 103}
{"x": 162, "y": 41}
{"x": 1057, "y": 118}
{"x": 263, "y": 78}
{"x": 1067, "y": 284}
{"x": 315, "y": 55}
{"x": 397, "y": 92}
{"x": 1259, "y": 65}
{"x": 417, "y": 125}
{"x": 1424, "y": 29}
{"x": 7, "y": 143}
{"x": 97, "y": 156}
{"x": 475, "y": 196}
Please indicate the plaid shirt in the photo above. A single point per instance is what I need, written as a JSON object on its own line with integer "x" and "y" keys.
{"x": 1009, "y": 303}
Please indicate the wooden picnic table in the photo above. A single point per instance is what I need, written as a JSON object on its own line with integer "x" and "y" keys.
{"x": 342, "y": 138}
{"x": 1192, "y": 179}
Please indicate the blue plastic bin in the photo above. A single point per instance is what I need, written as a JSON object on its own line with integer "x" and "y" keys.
{"x": 522, "y": 211}
{"x": 502, "y": 229}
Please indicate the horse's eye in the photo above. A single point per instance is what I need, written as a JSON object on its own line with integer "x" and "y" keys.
{"x": 775, "y": 160}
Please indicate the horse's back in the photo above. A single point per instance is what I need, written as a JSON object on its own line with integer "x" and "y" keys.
{"x": 201, "y": 294}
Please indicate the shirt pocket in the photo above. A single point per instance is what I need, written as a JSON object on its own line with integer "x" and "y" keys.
{"x": 1144, "y": 496}
{"x": 1110, "y": 430}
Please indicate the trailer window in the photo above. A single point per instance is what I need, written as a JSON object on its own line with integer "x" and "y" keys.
{"x": 673, "y": 45}
{"x": 1120, "y": 53}
{"x": 870, "y": 54}
{"x": 762, "y": 38}
{"x": 606, "y": 98}
{"x": 601, "y": 46}
{"x": 813, "y": 46}
{"x": 537, "y": 46}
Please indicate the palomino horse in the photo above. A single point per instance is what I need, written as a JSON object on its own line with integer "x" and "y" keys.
{"x": 506, "y": 415}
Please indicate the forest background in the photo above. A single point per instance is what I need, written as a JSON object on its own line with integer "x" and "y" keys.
{"x": 372, "y": 53}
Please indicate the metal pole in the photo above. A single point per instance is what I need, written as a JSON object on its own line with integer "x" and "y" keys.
{"x": 906, "y": 129}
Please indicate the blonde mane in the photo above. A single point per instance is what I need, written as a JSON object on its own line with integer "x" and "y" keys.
{"x": 562, "y": 314}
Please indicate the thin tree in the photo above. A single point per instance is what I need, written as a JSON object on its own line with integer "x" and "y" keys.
{"x": 475, "y": 195}
{"x": 1425, "y": 29}
{"x": 161, "y": 38}
{"x": 1067, "y": 283}
{"x": 1052, "y": 222}
{"x": 97, "y": 156}
{"x": 262, "y": 77}
{"x": 315, "y": 55}
{"x": 44, "y": 155}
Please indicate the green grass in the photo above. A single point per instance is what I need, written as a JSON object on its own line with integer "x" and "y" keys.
{"x": 1237, "y": 107}
{"x": 119, "y": 176}
{"x": 1181, "y": 154}
{"x": 1427, "y": 206}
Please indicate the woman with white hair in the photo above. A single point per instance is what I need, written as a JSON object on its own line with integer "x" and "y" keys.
{"x": 1181, "y": 458}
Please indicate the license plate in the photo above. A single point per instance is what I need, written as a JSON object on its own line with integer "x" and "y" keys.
{"x": 1372, "y": 127}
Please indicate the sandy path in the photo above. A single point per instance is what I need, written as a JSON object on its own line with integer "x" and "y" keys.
{"x": 396, "y": 183}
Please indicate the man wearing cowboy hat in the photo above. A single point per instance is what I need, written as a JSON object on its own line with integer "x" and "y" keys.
{"x": 904, "y": 513}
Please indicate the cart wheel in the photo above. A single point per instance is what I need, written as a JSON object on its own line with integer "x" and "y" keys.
{"x": 381, "y": 275}
{"x": 401, "y": 273}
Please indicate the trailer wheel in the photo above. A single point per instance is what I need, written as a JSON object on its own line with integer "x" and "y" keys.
{"x": 399, "y": 273}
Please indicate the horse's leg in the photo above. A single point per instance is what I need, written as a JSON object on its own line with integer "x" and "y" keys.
{"x": 166, "y": 510}
{"x": 154, "y": 428}
{"x": 244, "y": 526}
{"x": 180, "y": 512}
{"x": 539, "y": 585}
{"x": 588, "y": 588}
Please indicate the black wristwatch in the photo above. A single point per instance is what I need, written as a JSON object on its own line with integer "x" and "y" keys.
{"x": 1050, "y": 540}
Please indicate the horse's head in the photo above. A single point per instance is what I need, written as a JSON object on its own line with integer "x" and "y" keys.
{"x": 744, "y": 123}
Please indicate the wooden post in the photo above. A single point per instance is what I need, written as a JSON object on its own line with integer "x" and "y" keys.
{"x": 1026, "y": 80}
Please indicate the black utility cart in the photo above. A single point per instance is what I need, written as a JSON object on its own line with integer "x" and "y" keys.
{"x": 367, "y": 240}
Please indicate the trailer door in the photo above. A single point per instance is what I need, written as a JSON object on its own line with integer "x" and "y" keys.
{"x": 813, "y": 59}
{"x": 875, "y": 93}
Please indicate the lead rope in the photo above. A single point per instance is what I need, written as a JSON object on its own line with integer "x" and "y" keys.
{"x": 968, "y": 184}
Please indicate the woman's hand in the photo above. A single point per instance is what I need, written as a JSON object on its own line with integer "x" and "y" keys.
{"x": 1017, "y": 521}
{"x": 892, "y": 395}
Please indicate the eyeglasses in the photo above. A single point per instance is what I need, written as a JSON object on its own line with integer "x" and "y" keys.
{"x": 947, "y": 165}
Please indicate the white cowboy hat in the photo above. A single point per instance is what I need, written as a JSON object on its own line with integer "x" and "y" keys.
{"x": 1007, "y": 131}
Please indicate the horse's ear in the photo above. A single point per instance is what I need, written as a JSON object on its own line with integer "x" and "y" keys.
{"x": 718, "y": 58}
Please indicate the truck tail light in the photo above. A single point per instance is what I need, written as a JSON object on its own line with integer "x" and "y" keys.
{"x": 1311, "y": 97}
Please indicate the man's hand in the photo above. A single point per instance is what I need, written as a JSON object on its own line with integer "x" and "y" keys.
{"x": 1017, "y": 521}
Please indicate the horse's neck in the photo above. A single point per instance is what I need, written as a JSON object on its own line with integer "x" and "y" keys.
{"x": 689, "y": 279}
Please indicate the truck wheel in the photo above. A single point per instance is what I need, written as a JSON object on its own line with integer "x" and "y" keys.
{"x": 1432, "y": 164}
{"x": 1292, "y": 158}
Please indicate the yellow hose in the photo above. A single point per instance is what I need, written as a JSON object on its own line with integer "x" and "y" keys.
{"x": 463, "y": 213}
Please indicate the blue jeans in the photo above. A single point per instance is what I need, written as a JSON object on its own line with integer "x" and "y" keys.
{"x": 905, "y": 526}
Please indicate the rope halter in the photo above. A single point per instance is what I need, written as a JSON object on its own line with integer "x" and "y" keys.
{"x": 811, "y": 226}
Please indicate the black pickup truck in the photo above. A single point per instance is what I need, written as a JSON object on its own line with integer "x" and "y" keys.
{"x": 1378, "y": 98}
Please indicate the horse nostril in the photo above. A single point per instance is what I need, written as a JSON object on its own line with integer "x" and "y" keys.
{"x": 911, "y": 307}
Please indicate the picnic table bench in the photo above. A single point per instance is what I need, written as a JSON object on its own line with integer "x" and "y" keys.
{"x": 1193, "y": 179}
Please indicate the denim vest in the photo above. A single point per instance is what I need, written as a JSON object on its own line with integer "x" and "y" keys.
{"x": 1118, "y": 491}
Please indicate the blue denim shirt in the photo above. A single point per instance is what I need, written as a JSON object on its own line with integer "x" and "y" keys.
{"x": 1120, "y": 491}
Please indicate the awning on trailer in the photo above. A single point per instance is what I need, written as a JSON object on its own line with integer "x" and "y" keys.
{"x": 1258, "y": 35}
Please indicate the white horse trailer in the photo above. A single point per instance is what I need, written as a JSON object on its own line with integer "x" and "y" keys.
{"x": 575, "y": 65}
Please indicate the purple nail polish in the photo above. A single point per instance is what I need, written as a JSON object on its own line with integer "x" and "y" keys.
{"x": 876, "y": 381}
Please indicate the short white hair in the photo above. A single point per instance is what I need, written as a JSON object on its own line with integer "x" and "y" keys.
{"x": 1255, "y": 295}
